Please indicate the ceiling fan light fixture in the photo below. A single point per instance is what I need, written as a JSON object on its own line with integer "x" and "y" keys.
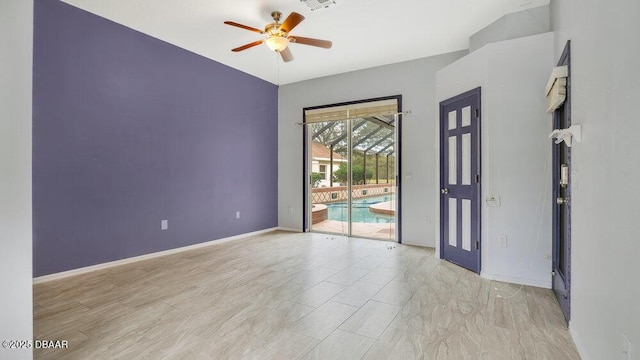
{"x": 277, "y": 43}
{"x": 277, "y": 35}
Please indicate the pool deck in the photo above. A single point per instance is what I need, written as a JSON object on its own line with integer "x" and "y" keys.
{"x": 377, "y": 231}
{"x": 387, "y": 208}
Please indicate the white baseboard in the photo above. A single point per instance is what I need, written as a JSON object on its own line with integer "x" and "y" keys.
{"x": 283, "y": 228}
{"x": 576, "y": 340}
{"x": 87, "y": 269}
{"x": 517, "y": 280}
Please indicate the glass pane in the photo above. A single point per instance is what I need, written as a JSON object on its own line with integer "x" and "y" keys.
{"x": 453, "y": 224}
{"x": 466, "y": 224}
{"x": 466, "y": 116}
{"x": 453, "y": 165}
{"x": 466, "y": 159}
{"x": 373, "y": 166}
{"x": 452, "y": 120}
{"x": 327, "y": 165}
{"x": 352, "y": 175}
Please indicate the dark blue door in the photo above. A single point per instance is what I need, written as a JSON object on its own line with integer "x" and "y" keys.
{"x": 562, "y": 201}
{"x": 460, "y": 180}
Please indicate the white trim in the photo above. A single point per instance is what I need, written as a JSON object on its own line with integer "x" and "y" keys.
{"x": 283, "y": 228}
{"x": 517, "y": 280}
{"x": 87, "y": 269}
{"x": 578, "y": 343}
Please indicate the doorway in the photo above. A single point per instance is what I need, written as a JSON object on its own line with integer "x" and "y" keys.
{"x": 561, "y": 238}
{"x": 351, "y": 162}
{"x": 460, "y": 180}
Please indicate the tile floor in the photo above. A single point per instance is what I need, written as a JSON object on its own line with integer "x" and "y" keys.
{"x": 297, "y": 296}
{"x": 379, "y": 231}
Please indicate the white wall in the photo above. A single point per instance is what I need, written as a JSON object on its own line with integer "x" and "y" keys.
{"x": 16, "y": 33}
{"x": 605, "y": 55}
{"x": 512, "y": 26}
{"x": 415, "y": 81}
{"x": 515, "y": 153}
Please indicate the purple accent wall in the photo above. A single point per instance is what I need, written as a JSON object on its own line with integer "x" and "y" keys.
{"x": 129, "y": 130}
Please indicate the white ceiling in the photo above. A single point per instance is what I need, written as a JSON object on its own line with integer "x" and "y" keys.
{"x": 365, "y": 33}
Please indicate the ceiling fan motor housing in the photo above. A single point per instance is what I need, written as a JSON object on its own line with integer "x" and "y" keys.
{"x": 276, "y": 15}
{"x": 273, "y": 29}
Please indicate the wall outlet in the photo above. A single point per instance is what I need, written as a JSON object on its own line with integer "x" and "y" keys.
{"x": 627, "y": 351}
{"x": 428, "y": 219}
{"x": 290, "y": 209}
{"x": 502, "y": 240}
{"x": 237, "y": 214}
{"x": 164, "y": 224}
{"x": 492, "y": 201}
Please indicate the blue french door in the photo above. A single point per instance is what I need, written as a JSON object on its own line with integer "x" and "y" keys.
{"x": 460, "y": 180}
{"x": 561, "y": 274}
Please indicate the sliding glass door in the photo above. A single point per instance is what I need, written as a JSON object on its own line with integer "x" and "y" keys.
{"x": 351, "y": 167}
{"x": 330, "y": 183}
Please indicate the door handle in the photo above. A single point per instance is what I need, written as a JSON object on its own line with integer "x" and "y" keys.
{"x": 562, "y": 201}
{"x": 444, "y": 191}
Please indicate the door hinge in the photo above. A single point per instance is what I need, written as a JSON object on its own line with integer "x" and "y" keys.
{"x": 477, "y": 178}
{"x": 477, "y": 245}
{"x": 477, "y": 114}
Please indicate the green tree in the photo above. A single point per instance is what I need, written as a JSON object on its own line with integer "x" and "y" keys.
{"x": 315, "y": 179}
{"x": 342, "y": 174}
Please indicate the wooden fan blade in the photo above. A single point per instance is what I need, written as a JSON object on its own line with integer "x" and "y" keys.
{"x": 286, "y": 54}
{"x": 291, "y": 21}
{"x": 310, "y": 41}
{"x": 245, "y": 47}
{"x": 244, "y": 27}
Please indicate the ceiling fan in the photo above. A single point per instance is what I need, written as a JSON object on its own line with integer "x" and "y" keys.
{"x": 279, "y": 37}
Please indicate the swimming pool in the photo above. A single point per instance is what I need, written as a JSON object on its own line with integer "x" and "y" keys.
{"x": 360, "y": 211}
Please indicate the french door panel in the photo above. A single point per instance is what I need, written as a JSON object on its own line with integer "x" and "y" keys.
{"x": 460, "y": 179}
{"x": 561, "y": 224}
{"x": 561, "y": 239}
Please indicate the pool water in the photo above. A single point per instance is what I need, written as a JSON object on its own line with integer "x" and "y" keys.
{"x": 360, "y": 211}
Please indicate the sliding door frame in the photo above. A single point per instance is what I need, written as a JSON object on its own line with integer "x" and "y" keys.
{"x": 307, "y": 173}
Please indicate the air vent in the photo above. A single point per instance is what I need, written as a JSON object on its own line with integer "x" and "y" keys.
{"x": 318, "y": 4}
